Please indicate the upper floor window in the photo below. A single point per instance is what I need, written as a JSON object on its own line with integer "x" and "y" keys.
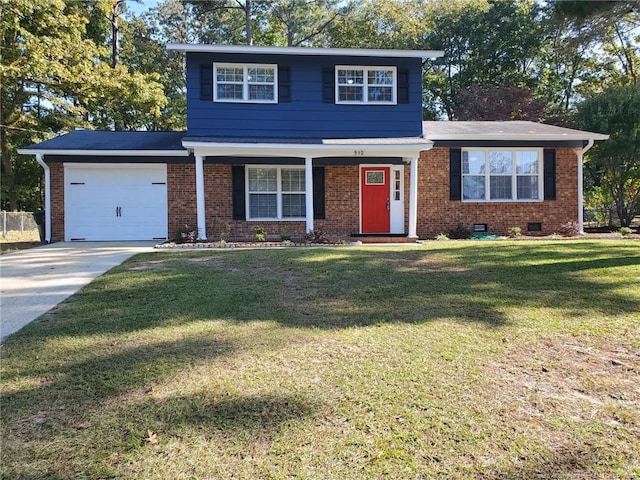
{"x": 251, "y": 83}
{"x": 501, "y": 175}
{"x": 366, "y": 85}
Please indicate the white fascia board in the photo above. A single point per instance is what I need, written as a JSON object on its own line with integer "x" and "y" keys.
{"x": 518, "y": 137}
{"x": 305, "y": 150}
{"x": 352, "y": 52}
{"x": 112, "y": 153}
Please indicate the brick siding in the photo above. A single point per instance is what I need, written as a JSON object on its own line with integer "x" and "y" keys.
{"x": 57, "y": 202}
{"x": 436, "y": 213}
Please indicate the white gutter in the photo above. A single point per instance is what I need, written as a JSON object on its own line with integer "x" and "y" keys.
{"x": 351, "y": 52}
{"x": 306, "y": 150}
{"x": 118, "y": 153}
{"x": 531, "y": 137}
{"x": 581, "y": 186}
{"x": 47, "y": 197}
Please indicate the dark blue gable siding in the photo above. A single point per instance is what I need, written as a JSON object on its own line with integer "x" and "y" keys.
{"x": 305, "y": 115}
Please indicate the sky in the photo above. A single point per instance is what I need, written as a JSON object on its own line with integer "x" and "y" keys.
{"x": 141, "y": 6}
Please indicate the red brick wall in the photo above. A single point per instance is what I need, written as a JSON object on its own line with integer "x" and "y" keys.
{"x": 437, "y": 214}
{"x": 57, "y": 202}
{"x": 181, "y": 196}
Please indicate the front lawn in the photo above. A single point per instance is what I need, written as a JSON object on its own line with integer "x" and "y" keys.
{"x": 456, "y": 360}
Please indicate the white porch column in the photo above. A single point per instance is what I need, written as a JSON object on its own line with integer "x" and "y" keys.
{"x": 413, "y": 199}
{"x": 308, "y": 182}
{"x": 47, "y": 197}
{"x": 200, "y": 208}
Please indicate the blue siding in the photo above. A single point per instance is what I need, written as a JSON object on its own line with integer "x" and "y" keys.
{"x": 305, "y": 116}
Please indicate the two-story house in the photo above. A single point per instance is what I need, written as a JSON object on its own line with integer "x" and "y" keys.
{"x": 301, "y": 139}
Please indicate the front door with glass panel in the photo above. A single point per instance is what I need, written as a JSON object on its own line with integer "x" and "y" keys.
{"x": 375, "y": 199}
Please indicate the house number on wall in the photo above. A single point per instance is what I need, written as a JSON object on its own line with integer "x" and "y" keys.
{"x": 358, "y": 153}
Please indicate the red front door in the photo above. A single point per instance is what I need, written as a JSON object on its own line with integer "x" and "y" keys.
{"x": 375, "y": 199}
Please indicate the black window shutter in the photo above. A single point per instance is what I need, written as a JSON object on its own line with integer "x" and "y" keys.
{"x": 284, "y": 84}
{"x": 318, "y": 193}
{"x": 455, "y": 174}
{"x": 549, "y": 174}
{"x": 403, "y": 85}
{"x": 328, "y": 85}
{"x": 206, "y": 82}
{"x": 237, "y": 181}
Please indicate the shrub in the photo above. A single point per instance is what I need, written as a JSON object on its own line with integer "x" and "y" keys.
{"x": 225, "y": 235}
{"x": 442, "y": 237}
{"x": 569, "y": 229}
{"x": 624, "y": 231}
{"x": 260, "y": 234}
{"x": 285, "y": 237}
{"x": 316, "y": 236}
{"x": 186, "y": 234}
{"x": 460, "y": 233}
{"x": 514, "y": 232}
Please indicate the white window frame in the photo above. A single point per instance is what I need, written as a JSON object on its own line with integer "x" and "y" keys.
{"x": 279, "y": 193}
{"x": 245, "y": 82}
{"x": 365, "y": 87}
{"x": 514, "y": 175}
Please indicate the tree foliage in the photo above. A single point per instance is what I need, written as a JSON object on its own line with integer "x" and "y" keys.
{"x": 615, "y": 164}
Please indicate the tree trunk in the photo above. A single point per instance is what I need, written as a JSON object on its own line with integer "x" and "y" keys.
{"x": 115, "y": 51}
{"x": 247, "y": 21}
{"x": 8, "y": 178}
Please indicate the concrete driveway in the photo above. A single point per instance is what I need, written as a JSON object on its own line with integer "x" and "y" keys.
{"x": 34, "y": 281}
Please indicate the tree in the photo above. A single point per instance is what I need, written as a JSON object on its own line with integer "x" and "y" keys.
{"x": 498, "y": 102}
{"x": 55, "y": 75}
{"x": 614, "y": 165}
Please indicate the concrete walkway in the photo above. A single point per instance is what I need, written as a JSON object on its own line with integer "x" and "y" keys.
{"x": 34, "y": 281}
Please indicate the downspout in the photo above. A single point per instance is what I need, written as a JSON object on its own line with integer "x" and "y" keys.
{"x": 47, "y": 197}
{"x": 581, "y": 186}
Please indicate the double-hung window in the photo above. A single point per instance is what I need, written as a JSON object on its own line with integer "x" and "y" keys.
{"x": 366, "y": 85}
{"x": 276, "y": 193}
{"x": 250, "y": 83}
{"x": 501, "y": 175}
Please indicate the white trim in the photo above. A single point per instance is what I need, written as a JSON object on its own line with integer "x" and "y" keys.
{"x": 308, "y": 187}
{"x": 200, "y": 199}
{"x": 514, "y": 137}
{"x": 245, "y": 82}
{"x": 115, "y": 153}
{"x": 413, "y": 199}
{"x": 47, "y": 198}
{"x": 365, "y": 85}
{"x": 356, "y": 150}
{"x": 353, "y": 52}
{"x": 513, "y": 175}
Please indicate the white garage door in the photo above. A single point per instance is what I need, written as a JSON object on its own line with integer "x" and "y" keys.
{"x": 115, "y": 202}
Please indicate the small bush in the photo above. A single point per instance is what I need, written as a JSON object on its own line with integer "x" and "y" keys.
{"x": 316, "y": 236}
{"x": 569, "y": 229}
{"x": 285, "y": 237}
{"x": 460, "y": 233}
{"x": 260, "y": 234}
{"x": 624, "y": 231}
{"x": 442, "y": 237}
{"x": 225, "y": 235}
{"x": 186, "y": 234}
{"x": 514, "y": 232}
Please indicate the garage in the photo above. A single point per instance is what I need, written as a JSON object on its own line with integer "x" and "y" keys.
{"x": 115, "y": 202}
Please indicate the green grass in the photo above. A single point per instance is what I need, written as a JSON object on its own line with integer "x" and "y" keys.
{"x": 457, "y": 360}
